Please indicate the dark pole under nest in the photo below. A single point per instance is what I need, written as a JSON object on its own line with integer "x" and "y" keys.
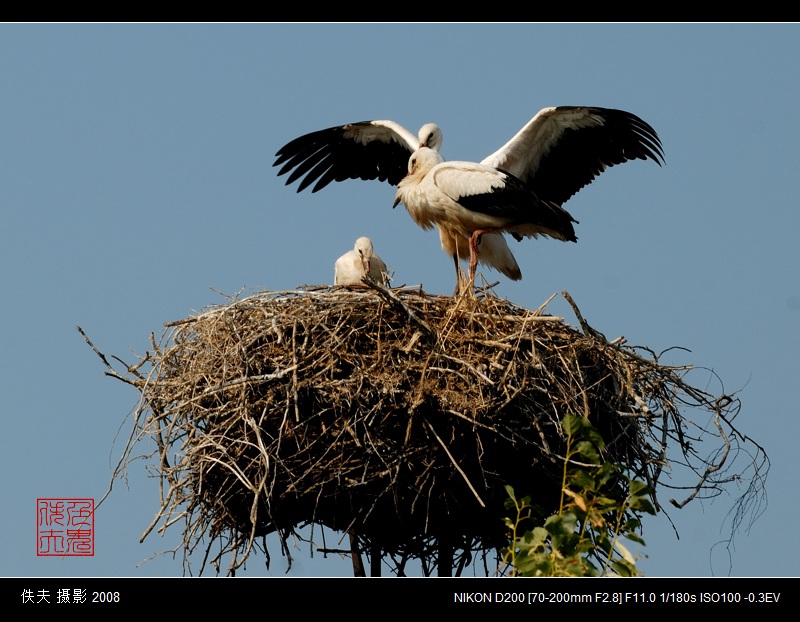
{"x": 375, "y": 562}
{"x": 445, "y": 562}
{"x": 358, "y": 564}
{"x": 355, "y": 554}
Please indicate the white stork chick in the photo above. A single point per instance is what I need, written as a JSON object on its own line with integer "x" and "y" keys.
{"x": 351, "y": 267}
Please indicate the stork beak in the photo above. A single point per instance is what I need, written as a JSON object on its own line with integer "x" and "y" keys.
{"x": 396, "y": 203}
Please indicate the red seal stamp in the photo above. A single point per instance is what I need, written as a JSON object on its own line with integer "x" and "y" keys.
{"x": 65, "y": 527}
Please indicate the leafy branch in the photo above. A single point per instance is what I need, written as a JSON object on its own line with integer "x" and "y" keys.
{"x": 599, "y": 509}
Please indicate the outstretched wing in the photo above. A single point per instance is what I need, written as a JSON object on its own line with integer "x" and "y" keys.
{"x": 562, "y": 149}
{"x": 364, "y": 150}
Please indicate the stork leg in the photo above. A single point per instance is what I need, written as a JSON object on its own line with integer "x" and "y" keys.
{"x": 474, "y": 240}
{"x": 458, "y": 274}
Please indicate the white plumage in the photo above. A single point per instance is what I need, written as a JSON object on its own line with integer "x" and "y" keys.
{"x": 351, "y": 267}
{"x": 468, "y": 200}
{"x": 520, "y": 188}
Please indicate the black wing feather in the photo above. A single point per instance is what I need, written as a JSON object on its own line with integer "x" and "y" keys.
{"x": 581, "y": 155}
{"x": 330, "y": 155}
{"x": 521, "y": 206}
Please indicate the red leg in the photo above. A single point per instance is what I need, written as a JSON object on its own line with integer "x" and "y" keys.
{"x": 473, "y": 255}
{"x": 474, "y": 240}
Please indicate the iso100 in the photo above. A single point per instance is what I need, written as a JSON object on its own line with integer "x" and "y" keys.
{"x": 720, "y": 597}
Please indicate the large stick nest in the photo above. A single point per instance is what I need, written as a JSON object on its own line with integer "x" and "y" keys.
{"x": 395, "y": 416}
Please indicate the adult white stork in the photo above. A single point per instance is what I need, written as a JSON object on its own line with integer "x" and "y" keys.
{"x": 380, "y": 150}
{"x": 470, "y": 199}
{"x": 519, "y": 188}
{"x": 351, "y": 267}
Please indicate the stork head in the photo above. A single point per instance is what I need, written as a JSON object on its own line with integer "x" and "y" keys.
{"x": 423, "y": 160}
{"x": 364, "y": 249}
{"x": 430, "y": 135}
{"x": 419, "y": 165}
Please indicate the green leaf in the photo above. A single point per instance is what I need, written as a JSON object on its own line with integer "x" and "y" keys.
{"x": 642, "y": 504}
{"x": 583, "y": 479}
{"x": 588, "y": 451}
{"x": 639, "y": 489}
{"x": 573, "y": 425}
{"x": 635, "y": 538}
{"x": 592, "y": 435}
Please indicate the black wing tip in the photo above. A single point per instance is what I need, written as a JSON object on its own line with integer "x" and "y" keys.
{"x": 649, "y": 140}
{"x": 649, "y": 146}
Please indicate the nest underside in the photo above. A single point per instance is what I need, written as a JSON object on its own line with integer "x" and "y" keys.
{"x": 393, "y": 415}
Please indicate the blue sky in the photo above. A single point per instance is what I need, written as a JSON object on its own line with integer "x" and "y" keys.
{"x": 136, "y": 183}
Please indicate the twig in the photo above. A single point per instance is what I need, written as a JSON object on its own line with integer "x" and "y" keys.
{"x": 455, "y": 464}
{"x": 395, "y": 302}
{"x": 584, "y": 324}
